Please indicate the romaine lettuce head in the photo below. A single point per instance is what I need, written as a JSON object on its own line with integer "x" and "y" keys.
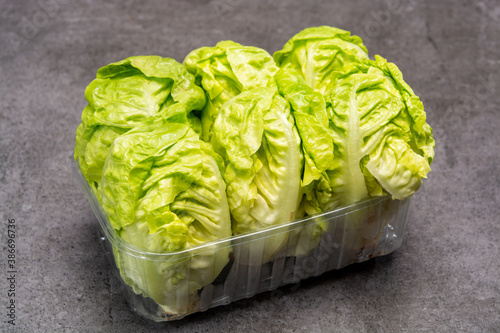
{"x": 224, "y": 71}
{"x": 124, "y": 95}
{"x": 320, "y": 54}
{"x": 163, "y": 191}
{"x": 261, "y": 149}
{"x": 381, "y": 142}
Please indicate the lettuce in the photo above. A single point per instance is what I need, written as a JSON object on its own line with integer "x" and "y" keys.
{"x": 364, "y": 130}
{"x": 162, "y": 190}
{"x": 249, "y": 124}
{"x": 381, "y": 142}
{"x": 311, "y": 119}
{"x": 159, "y": 185}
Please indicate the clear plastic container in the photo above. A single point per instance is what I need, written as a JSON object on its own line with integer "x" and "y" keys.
{"x": 310, "y": 247}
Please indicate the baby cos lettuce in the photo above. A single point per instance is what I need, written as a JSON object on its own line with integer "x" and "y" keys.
{"x": 235, "y": 140}
{"x": 163, "y": 191}
{"x": 160, "y": 186}
{"x": 381, "y": 141}
{"x": 249, "y": 124}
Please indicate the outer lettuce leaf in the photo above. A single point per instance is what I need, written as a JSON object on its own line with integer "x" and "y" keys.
{"x": 384, "y": 144}
{"x": 320, "y": 54}
{"x": 124, "y": 95}
{"x": 317, "y": 146}
{"x": 162, "y": 189}
{"x": 263, "y": 162}
{"x": 311, "y": 119}
{"x": 421, "y": 132}
{"x": 226, "y": 70}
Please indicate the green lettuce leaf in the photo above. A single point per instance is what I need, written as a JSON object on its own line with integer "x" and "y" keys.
{"x": 381, "y": 141}
{"x": 320, "y": 54}
{"x": 224, "y": 71}
{"x": 263, "y": 162}
{"x": 311, "y": 119}
{"x": 125, "y": 94}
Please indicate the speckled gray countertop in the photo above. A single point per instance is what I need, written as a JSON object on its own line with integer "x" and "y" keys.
{"x": 446, "y": 275}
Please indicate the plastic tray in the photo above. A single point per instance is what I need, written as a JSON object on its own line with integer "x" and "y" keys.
{"x": 310, "y": 247}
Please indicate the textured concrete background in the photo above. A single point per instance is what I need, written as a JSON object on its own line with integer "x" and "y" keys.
{"x": 445, "y": 277}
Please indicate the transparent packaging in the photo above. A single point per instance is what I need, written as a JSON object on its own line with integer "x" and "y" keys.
{"x": 307, "y": 247}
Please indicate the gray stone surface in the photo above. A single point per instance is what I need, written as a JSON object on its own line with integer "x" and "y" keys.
{"x": 446, "y": 275}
